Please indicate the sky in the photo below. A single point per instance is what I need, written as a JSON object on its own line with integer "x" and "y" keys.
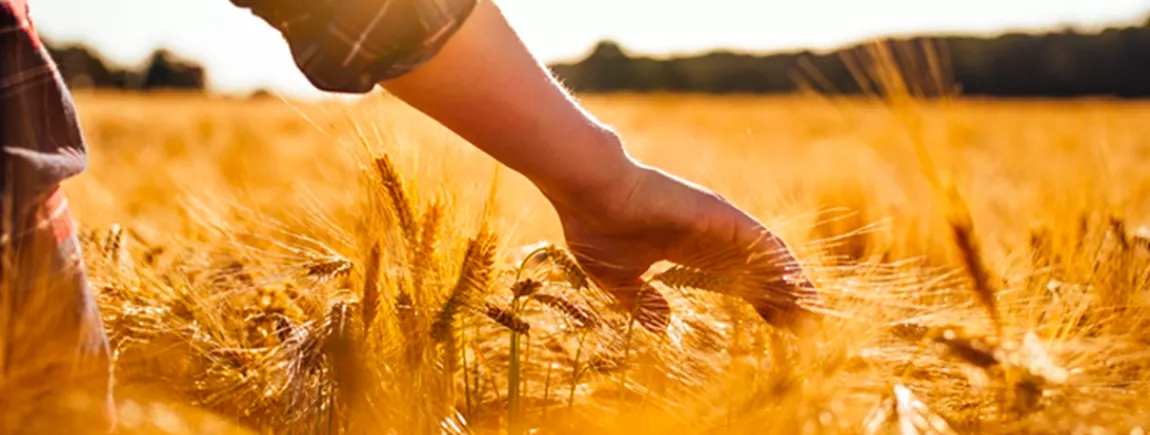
{"x": 241, "y": 53}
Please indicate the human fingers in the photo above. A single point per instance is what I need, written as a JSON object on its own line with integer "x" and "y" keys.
{"x": 768, "y": 276}
{"x": 625, "y": 284}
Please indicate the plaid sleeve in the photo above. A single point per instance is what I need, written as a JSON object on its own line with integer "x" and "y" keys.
{"x": 351, "y": 45}
{"x": 41, "y": 142}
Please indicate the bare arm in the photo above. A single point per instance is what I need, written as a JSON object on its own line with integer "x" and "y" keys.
{"x": 488, "y": 88}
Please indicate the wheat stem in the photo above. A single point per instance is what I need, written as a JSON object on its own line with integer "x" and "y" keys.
{"x": 371, "y": 286}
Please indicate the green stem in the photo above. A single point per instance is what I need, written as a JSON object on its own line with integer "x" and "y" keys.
{"x": 513, "y": 378}
{"x": 513, "y": 384}
{"x": 547, "y": 390}
{"x": 526, "y": 357}
{"x": 575, "y": 372}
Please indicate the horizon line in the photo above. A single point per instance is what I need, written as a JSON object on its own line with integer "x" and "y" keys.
{"x": 1135, "y": 22}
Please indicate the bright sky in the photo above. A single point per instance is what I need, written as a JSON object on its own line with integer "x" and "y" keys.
{"x": 242, "y": 53}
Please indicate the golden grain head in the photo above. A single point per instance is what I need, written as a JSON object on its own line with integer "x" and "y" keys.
{"x": 424, "y": 254}
{"x": 564, "y": 262}
{"x": 400, "y": 201}
{"x": 583, "y": 317}
{"x": 525, "y": 288}
{"x": 681, "y": 277}
{"x": 507, "y": 318}
{"x": 327, "y": 268}
{"x": 475, "y": 277}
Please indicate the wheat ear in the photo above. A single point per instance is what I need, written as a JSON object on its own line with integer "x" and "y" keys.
{"x": 525, "y": 288}
{"x": 423, "y": 255}
{"x": 342, "y": 346}
{"x": 474, "y": 277}
{"x": 507, "y": 318}
{"x": 962, "y": 229}
{"x": 681, "y": 277}
{"x": 401, "y": 202}
{"x": 323, "y": 269}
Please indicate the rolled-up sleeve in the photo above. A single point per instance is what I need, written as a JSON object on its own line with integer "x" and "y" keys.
{"x": 349, "y": 46}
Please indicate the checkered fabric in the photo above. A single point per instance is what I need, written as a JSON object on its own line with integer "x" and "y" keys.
{"x": 351, "y": 45}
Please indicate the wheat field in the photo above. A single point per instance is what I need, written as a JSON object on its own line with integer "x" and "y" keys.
{"x": 269, "y": 266}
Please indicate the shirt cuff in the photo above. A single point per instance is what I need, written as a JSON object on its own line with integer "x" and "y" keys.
{"x": 349, "y": 46}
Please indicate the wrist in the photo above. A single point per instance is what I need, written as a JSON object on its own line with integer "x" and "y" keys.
{"x": 597, "y": 170}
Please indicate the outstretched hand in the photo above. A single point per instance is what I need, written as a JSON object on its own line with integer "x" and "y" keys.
{"x": 617, "y": 232}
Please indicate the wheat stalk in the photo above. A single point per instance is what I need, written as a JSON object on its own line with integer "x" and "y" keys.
{"x": 371, "y": 286}
{"x": 424, "y": 254}
{"x": 401, "y": 203}
{"x": 114, "y": 244}
{"x": 342, "y": 348}
{"x": 901, "y": 95}
{"x": 962, "y": 230}
{"x": 474, "y": 278}
{"x": 115, "y": 251}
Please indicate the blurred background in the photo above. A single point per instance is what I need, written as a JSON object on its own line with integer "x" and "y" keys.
{"x": 1000, "y": 48}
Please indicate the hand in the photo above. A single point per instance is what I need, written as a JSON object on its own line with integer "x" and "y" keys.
{"x": 619, "y": 230}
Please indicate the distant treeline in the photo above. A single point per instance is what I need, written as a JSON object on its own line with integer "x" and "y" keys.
{"x": 1066, "y": 63}
{"x": 83, "y": 67}
{"x": 1113, "y": 62}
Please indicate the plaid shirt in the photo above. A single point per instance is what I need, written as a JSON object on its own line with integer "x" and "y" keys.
{"x": 40, "y": 139}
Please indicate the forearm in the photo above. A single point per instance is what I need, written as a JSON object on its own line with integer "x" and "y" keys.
{"x": 487, "y": 87}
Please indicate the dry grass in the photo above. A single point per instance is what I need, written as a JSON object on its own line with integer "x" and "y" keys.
{"x": 262, "y": 268}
